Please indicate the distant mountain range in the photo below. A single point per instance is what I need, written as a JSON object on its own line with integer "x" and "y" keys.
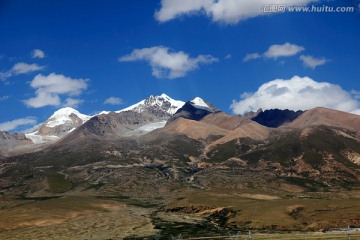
{"x": 66, "y": 120}
{"x": 197, "y": 118}
{"x": 293, "y": 143}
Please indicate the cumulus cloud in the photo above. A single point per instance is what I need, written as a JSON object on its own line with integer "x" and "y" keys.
{"x": 20, "y": 68}
{"x": 166, "y": 63}
{"x": 49, "y": 88}
{"x": 14, "y": 124}
{"x": 72, "y": 102}
{"x": 114, "y": 101}
{"x": 356, "y": 94}
{"x": 312, "y": 62}
{"x": 37, "y": 53}
{"x": 223, "y": 11}
{"x": 276, "y": 51}
{"x": 297, "y": 93}
{"x": 171, "y": 9}
{"x": 283, "y": 50}
{"x": 251, "y": 56}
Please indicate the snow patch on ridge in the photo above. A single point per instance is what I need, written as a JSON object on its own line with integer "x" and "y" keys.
{"x": 200, "y": 104}
{"x": 152, "y": 126}
{"x": 40, "y": 139}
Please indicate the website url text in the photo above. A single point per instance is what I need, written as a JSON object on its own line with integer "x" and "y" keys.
{"x": 278, "y": 8}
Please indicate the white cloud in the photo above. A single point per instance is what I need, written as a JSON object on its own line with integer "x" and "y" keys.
{"x": 223, "y": 11}
{"x": 43, "y": 99}
{"x": 312, "y": 62}
{"x": 37, "y": 53}
{"x": 283, "y": 50}
{"x": 275, "y": 51}
{"x": 166, "y": 63}
{"x": 49, "y": 88}
{"x": 297, "y": 93}
{"x": 251, "y": 56}
{"x": 72, "y": 102}
{"x": 356, "y": 94}
{"x": 171, "y": 9}
{"x": 20, "y": 68}
{"x": 114, "y": 101}
{"x": 11, "y": 125}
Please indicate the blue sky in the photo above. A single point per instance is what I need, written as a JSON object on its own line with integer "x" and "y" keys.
{"x": 96, "y": 55}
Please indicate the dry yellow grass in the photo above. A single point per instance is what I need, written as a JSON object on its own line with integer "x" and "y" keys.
{"x": 74, "y": 218}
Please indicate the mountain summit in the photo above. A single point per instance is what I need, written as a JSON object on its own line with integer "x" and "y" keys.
{"x": 59, "y": 124}
{"x": 162, "y": 103}
{"x": 199, "y": 103}
{"x": 195, "y": 109}
{"x": 65, "y": 116}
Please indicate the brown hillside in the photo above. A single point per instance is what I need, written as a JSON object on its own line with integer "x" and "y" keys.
{"x": 194, "y": 129}
{"x": 251, "y": 129}
{"x": 328, "y": 117}
{"x": 224, "y": 120}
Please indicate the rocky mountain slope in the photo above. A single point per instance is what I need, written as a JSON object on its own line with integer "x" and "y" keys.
{"x": 9, "y": 141}
{"x": 327, "y": 117}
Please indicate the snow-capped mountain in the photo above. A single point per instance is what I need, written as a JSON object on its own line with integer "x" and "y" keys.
{"x": 66, "y": 116}
{"x": 162, "y": 103}
{"x": 62, "y": 122}
{"x": 201, "y": 104}
{"x": 143, "y": 117}
{"x": 66, "y": 120}
{"x": 195, "y": 109}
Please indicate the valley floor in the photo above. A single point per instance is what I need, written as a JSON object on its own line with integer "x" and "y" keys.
{"x": 190, "y": 214}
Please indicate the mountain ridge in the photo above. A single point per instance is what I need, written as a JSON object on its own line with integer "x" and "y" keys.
{"x": 157, "y": 112}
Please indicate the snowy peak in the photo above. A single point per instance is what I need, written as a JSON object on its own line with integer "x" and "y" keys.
{"x": 60, "y": 123}
{"x": 162, "y": 103}
{"x": 201, "y": 104}
{"x": 65, "y": 115}
{"x": 163, "y": 95}
{"x": 195, "y": 109}
{"x": 66, "y": 111}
